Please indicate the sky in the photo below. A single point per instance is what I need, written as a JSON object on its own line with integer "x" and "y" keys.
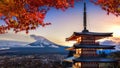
{"x": 64, "y": 23}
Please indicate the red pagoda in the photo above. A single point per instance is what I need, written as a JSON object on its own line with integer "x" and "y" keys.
{"x": 83, "y": 53}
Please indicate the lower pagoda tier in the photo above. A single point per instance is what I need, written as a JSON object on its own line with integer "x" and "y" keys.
{"x": 88, "y": 62}
{"x": 93, "y": 62}
{"x": 95, "y": 59}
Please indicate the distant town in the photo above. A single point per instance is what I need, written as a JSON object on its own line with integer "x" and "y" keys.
{"x": 32, "y": 61}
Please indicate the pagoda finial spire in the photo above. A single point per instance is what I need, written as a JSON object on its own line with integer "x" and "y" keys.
{"x": 85, "y": 19}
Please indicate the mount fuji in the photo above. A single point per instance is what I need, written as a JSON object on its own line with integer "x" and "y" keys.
{"x": 40, "y": 46}
{"x": 43, "y": 43}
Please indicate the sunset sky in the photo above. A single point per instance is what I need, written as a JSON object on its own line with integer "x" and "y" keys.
{"x": 65, "y": 23}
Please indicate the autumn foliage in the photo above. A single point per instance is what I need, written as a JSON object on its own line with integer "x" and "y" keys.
{"x": 25, "y": 15}
{"x": 111, "y": 6}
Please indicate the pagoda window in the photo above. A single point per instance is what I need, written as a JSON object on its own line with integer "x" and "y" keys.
{"x": 78, "y": 51}
{"x": 77, "y": 65}
{"x": 78, "y": 40}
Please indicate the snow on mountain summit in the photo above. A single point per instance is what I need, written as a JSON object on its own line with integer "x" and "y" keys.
{"x": 43, "y": 42}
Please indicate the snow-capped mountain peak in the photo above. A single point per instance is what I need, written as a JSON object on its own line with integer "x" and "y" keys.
{"x": 43, "y": 42}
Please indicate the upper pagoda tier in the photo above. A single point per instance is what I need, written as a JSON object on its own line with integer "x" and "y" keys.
{"x": 93, "y": 34}
{"x": 86, "y": 32}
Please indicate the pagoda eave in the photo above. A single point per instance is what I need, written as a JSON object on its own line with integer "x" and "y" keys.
{"x": 70, "y": 49}
{"x": 69, "y": 59}
{"x": 95, "y": 46}
{"x": 72, "y": 38}
{"x": 92, "y": 34}
{"x": 75, "y": 35}
{"x": 99, "y": 60}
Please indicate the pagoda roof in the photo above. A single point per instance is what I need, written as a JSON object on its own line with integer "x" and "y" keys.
{"x": 94, "y": 46}
{"x": 95, "y": 59}
{"x": 87, "y": 33}
{"x": 92, "y": 33}
{"x": 69, "y": 59}
{"x": 70, "y": 48}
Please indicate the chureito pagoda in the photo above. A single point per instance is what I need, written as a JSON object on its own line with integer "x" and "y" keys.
{"x": 83, "y": 53}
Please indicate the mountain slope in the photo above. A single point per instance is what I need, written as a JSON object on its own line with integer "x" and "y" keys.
{"x": 43, "y": 42}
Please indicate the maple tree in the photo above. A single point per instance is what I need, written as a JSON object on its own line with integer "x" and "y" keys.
{"x": 25, "y": 15}
{"x": 111, "y": 6}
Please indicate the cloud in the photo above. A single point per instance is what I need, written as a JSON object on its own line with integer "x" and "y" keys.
{"x": 111, "y": 41}
{"x": 16, "y": 37}
{"x": 35, "y": 37}
{"x": 108, "y": 42}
